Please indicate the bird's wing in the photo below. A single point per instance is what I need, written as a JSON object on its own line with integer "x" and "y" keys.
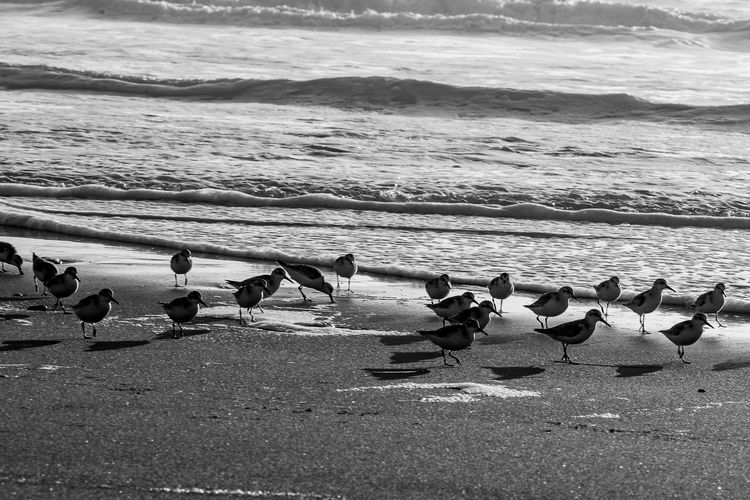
{"x": 87, "y": 301}
{"x": 676, "y": 329}
{"x": 543, "y": 299}
{"x": 569, "y": 329}
{"x": 638, "y": 300}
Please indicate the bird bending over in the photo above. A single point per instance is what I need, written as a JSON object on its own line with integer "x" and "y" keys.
{"x": 9, "y": 255}
{"x": 44, "y": 270}
{"x": 308, "y": 276}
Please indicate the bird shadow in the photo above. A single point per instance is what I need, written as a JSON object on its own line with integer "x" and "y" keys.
{"x": 18, "y": 345}
{"x": 730, "y": 365}
{"x": 115, "y": 344}
{"x": 167, "y": 334}
{"x": 514, "y": 372}
{"x": 400, "y": 339}
{"x": 625, "y": 371}
{"x": 395, "y": 373}
{"x": 413, "y": 357}
{"x": 495, "y": 340}
{"x": 10, "y": 316}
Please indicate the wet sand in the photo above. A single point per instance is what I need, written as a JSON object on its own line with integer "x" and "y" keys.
{"x": 319, "y": 400}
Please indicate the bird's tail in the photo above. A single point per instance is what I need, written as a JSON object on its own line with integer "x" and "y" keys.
{"x": 236, "y": 284}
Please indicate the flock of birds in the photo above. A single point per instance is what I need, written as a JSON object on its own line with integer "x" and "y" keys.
{"x": 465, "y": 315}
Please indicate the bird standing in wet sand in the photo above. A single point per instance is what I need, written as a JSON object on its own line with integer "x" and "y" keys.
{"x": 453, "y": 338}
{"x": 438, "y": 288}
{"x": 308, "y": 276}
{"x": 501, "y": 288}
{"x": 552, "y": 304}
{"x": 574, "y": 332}
{"x": 9, "y": 255}
{"x": 345, "y": 267}
{"x": 648, "y": 301}
{"x": 94, "y": 308}
{"x": 686, "y": 333}
{"x": 711, "y": 302}
{"x": 183, "y": 309}
{"x": 451, "y": 306}
{"x": 480, "y": 313}
{"x": 181, "y": 263}
{"x": 250, "y": 296}
{"x": 44, "y": 270}
{"x": 608, "y": 291}
{"x": 63, "y": 285}
{"x": 273, "y": 281}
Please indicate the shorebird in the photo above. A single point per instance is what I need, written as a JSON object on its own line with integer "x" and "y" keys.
{"x": 249, "y": 296}
{"x": 438, "y": 288}
{"x": 711, "y": 302}
{"x": 345, "y": 266}
{"x": 308, "y": 276}
{"x": 63, "y": 285}
{"x": 686, "y": 333}
{"x": 480, "y": 313}
{"x": 9, "y": 255}
{"x": 608, "y": 291}
{"x": 44, "y": 270}
{"x": 273, "y": 281}
{"x": 501, "y": 288}
{"x": 647, "y": 302}
{"x": 451, "y": 306}
{"x": 183, "y": 309}
{"x": 552, "y": 304}
{"x": 574, "y": 332}
{"x": 453, "y": 338}
{"x": 94, "y": 308}
{"x": 181, "y": 263}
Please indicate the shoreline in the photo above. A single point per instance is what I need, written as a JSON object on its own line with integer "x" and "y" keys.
{"x": 344, "y": 400}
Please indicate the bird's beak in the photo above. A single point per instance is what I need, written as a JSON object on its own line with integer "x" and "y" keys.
{"x": 288, "y": 279}
{"x": 670, "y": 288}
{"x": 114, "y": 300}
{"x": 605, "y": 322}
{"x": 475, "y": 301}
{"x": 579, "y": 300}
{"x": 708, "y": 324}
{"x": 724, "y": 294}
{"x": 20, "y": 271}
{"x": 202, "y": 303}
{"x": 497, "y": 312}
{"x": 79, "y": 279}
{"x": 481, "y": 330}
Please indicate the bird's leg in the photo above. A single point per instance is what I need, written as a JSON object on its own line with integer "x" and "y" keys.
{"x": 83, "y": 329}
{"x": 495, "y": 305}
{"x": 174, "y": 334}
{"x": 540, "y": 322}
{"x": 643, "y": 324}
{"x": 3, "y": 267}
{"x": 600, "y": 305}
{"x": 349, "y": 288}
{"x": 185, "y": 279}
{"x": 546, "y": 320}
{"x": 681, "y": 352}
{"x": 450, "y": 353}
{"x": 175, "y": 280}
{"x": 261, "y": 309}
{"x": 445, "y": 361}
{"x": 501, "y": 305}
{"x": 304, "y": 297}
{"x": 242, "y": 322}
{"x": 716, "y": 317}
{"x": 606, "y": 313}
{"x": 54, "y": 308}
{"x": 62, "y": 306}
{"x": 36, "y": 287}
{"x": 94, "y": 327}
{"x": 250, "y": 310}
{"x": 338, "y": 284}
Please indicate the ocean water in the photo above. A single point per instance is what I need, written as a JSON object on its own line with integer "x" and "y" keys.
{"x": 560, "y": 141}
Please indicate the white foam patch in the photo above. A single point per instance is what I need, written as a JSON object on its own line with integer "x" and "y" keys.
{"x": 466, "y": 388}
{"x": 599, "y": 415}
{"x": 235, "y": 492}
{"x": 459, "y": 398}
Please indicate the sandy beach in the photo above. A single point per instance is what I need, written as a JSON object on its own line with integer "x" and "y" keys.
{"x": 344, "y": 400}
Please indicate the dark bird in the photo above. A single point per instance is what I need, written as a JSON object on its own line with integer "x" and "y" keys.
{"x": 648, "y": 301}
{"x": 345, "y": 267}
{"x": 181, "y": 263}
{"x": 453, "y": 338}
{"x": 308, "y": 276}
{"x": 183, "y": 309}
{"x": 8, "y": 255}
{"x": 94, "y": 308}
{"x": 574, "y": 332}
{"x": 63, "y": 285}
{"x": 273, "y": 281}
{"x": 44, "y": 270}
{"x": 687, "y": 333}
{"x": 438, "y": 288}
{"x": 552, "y": 304}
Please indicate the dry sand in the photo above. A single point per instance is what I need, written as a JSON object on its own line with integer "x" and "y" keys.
{"x": 317, "y": 400}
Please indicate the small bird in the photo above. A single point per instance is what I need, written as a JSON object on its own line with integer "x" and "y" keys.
{"x": 44, "y": 270}
{"x": 273, "y": 281}
{"x": 438, "y": 288}
{"x": 451, "y": 306}
{"x": 308, "y": 276}
{"x": 711, "y": 302}
{"x": 94, "y": 308}
{"x": 648, "y": 301}
{"x": 480, "y": 313}
{"x": 181, "y": 263}
{"x": 345, "y": 266}
{"x": 63, "y": 285}
{"x": 453, "y": 338}
{"x": 686, "y": 333}
{"x": 501, "y": 288}
{"x": 9, "y": 255}
{"x": 574, "y": 332}
{"x": 250, "y": 296}
{"x": 183, "y": 309}
{"x": 608, "y": 291}
{"x": 552, "y": 304}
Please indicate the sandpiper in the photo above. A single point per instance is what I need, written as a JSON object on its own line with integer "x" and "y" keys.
{"x": 552, "y": 304}
{"x": 273, "y": 281}
{"x": 63, "y": 285}
{"x": 346, "y": 267}
{"x": 44, "y": 270}
{"x": 94, "y": 308}
{"x": 686, "y": 333}
{"x": 453, "y": 337}
{"x": 438, "y": 288}
{"x": 451, "y": 306}
{"x": 183, "y": 309}
{"x": 249, "y": 296}
{"x": 480, "y": 313}
{"x": 501, "y": 288}
{"x": 608, "y": 291}
{"x": 574, "y": 332}
{"x": 711, "y": 302}
{"x": 648, "y": 301}
{"x": 181, "y": 263}
{"x": 308, "y": 276}
{"x": 9, "y": 255}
